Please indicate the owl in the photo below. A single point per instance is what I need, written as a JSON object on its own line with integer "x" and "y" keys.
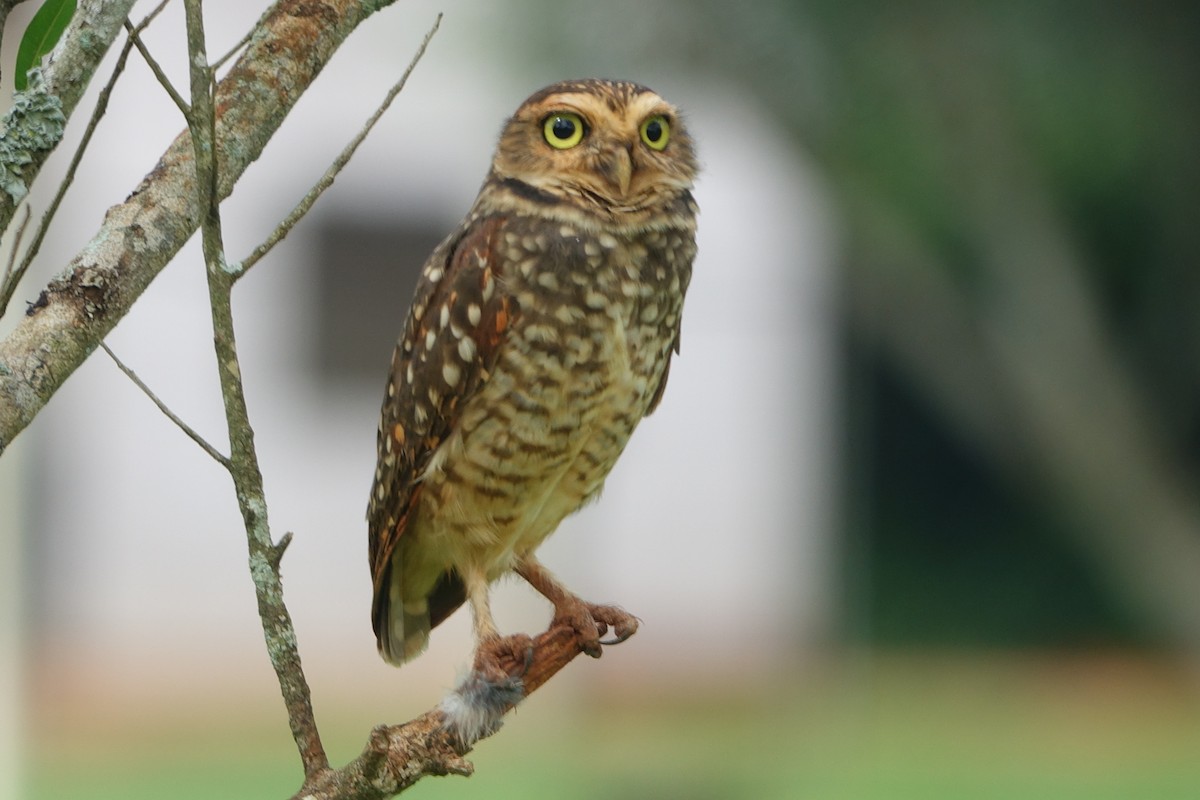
{"x": 539, "y": 335}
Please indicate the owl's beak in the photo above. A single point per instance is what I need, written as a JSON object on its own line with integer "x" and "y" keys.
{"x": 616, "y": 165}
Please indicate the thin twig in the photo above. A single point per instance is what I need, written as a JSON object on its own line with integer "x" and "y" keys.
{"x": 12, "y": 255}
{"x": 233, "y": 51}
{"x": 9, "y": 286}
{"x": 302, "y": 208}
{"x": 278, "y": 631}
{"x": 157, "y": 70}
{"x": 278, "y": 549}
{"x": 216, "y": 454}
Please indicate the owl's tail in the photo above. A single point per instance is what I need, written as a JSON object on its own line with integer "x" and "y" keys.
{"x": 402, "y": 628}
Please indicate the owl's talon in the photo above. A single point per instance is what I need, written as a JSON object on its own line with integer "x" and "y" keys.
{"x": 622, "y": 622}
{"x": 591, "y": 621}
{"x": 618, "y": 639}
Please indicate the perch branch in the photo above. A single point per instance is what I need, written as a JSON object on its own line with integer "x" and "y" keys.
{"x": 397, "y": 756}
{"x": 292, "y": 43}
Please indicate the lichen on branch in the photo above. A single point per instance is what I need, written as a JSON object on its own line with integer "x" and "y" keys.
{"x": 34, "y": 124}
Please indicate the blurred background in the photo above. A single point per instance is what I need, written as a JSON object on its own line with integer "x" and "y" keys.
{"x": 918, "y": 516}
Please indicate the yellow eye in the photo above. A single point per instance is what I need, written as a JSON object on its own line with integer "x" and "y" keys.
{"x": 563, "y": 131}
{"x": 655, "y": 132}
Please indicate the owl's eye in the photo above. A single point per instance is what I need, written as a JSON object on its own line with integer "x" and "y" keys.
{"x": 563, "y": 131}
{"x": 655, "y": 132}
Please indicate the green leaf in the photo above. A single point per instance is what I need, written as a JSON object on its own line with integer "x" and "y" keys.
{"x": 40, "y": 37}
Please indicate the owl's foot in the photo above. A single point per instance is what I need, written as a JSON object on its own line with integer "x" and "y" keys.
{"x": 503, "y": 658}
{"x": 591, "y": 621}
{"x": 494, "y": 685}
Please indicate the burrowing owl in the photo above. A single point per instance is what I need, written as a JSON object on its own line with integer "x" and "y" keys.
{"x": 539, "y": 336}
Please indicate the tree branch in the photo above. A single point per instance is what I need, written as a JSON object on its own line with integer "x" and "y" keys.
{"x": 397, "y": 756}
{"x": 160, "y": 76}
{"x": 12, "y": 272}
{"x": 79, "y": 307}
{"x": 264, "y": 556}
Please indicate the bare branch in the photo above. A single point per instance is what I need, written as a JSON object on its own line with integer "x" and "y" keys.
{"x": 278, "y": 631}
{"x": 163, "y": 80}
{"x": 12, "y": 274}
{"x": 191, "y": 433}
{"x": 278, "y": 549}
{"x": 302, "y": 208}
{"x": 141, "y": 235}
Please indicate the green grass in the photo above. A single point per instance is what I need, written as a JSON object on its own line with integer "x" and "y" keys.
{"x": 892, "y": 729}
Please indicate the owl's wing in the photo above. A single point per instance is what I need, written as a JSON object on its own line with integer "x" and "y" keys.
{"x": 686, "y": 254}
{"x": 657, "y": 397}
{"x": 447, "y": 351}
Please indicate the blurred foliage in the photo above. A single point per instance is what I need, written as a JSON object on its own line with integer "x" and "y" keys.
{"x": 955, "y": 554}
{"x": 1017, "y": 186}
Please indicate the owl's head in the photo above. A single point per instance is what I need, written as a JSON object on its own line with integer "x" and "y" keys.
{"x": 611, "y": 147}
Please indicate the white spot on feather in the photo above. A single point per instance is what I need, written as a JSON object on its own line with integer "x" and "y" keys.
{"x": 466, "y": 349}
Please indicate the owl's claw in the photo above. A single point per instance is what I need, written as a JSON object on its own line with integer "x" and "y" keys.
{"x": 591, "y": 621}
{"x": 623, "y": 623}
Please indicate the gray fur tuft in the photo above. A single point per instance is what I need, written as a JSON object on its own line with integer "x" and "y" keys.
{"x": 475, "y": 708}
